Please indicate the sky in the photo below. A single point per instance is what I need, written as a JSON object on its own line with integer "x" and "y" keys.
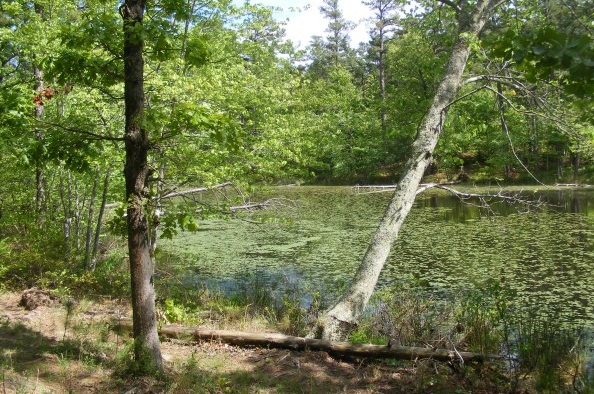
{"x": 302, "y": 25}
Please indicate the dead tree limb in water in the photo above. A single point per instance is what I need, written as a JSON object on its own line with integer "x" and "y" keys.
{"x": 196, "y": 190}
{"x": 486, "y": 199}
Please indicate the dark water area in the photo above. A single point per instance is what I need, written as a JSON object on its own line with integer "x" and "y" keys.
{"x": 317, "y": 241}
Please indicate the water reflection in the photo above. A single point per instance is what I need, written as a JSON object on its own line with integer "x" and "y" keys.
{"x": 453, "y": 208}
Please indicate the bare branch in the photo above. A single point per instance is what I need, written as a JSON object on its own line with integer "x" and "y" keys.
{"x": 390, "y": 188}
{"x": 497, "y": 4}
{"x": 573, "y": 185}
{"x": 511, "y": 81}
{"x": 516, "y": 84}
{"x": 506, "y": 130}
{"x": 273, "y": 202}
{"x": 196, "y": 190}
{"x": 557, "y": 120}
{"x": 466, "y": 95}
{"x": 183, "y": 193}
{"x": 246, "y": 207}
{"x": 485, "y": 200}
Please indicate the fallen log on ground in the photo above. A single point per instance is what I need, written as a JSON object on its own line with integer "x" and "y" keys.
{"x": 276, "y": 340}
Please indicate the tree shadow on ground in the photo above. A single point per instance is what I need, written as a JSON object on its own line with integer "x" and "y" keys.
{"x": 72, "y": 365}
{"x": 282, "y": 371}
{"x": 60, "y": 365}
{"x": 19, "y": 344}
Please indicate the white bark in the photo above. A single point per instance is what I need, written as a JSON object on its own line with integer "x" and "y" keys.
{"x": 100, "y": 219}
{"x": 89, "y": 235}
{"x": 337, "y": 322}
{"x": 196, "y": 190}
{"x": 40, "y": 136}
{"x": 157, "y": 211}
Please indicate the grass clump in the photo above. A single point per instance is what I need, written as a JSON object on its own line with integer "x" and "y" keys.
{"x": 255, "y": 304}
{"x": 542, "y": 353}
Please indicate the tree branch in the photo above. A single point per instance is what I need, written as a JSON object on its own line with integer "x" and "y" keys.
{"x": 94, "y": 136}
{"x": 273, "y": 202}
{"x": 466, "y": 95}
{"x": 484, "y": 198}
{"x": 511, "y": 144}
{"x": 514, "y": 83}
{"x": 196, "y": 190}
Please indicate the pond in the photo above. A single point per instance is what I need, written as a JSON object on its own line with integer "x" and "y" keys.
{"x": 317, "y": 235}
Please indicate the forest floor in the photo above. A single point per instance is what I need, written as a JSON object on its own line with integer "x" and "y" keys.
{"x": 56, "y": 349}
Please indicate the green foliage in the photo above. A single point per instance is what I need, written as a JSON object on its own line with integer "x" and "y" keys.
{"x": 110, "y": 276}
{"x": 408, "y": 316}
{"x": 4, "y": 256}
{"x": 198, "y": 53}
{"x": 256, "y": 294}
{"x": 292, "y": 315}
{"x": 32, "y": 256}
{"x": 542, "y": 51}
{"x": 366, "y": 333}
{"x": 182, "y": 218}
{"x": 117, "y": 223}
{"x": 127, "y": 365}
{"x": 173, "y": 313}
{"x": 226, "y": 99}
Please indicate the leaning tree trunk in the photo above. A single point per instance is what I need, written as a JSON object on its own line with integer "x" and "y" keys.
{"x": 147, "y": 347}
{"x": 336, "y": 323}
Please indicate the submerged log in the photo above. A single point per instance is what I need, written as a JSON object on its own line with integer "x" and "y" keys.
{"x": 276, "y": 340}
{"x": 573, "y": 185}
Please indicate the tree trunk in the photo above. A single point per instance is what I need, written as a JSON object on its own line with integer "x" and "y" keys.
{"x": 157, "y": 211}
{"x": 40, "y": 136}
{"x": 76, "y": 211}
{"x": 575, "y": 161}
{"x": 336, "y": 323}
{"x": 66, "y": 208}
{"x": 382, "y": 83}
{"x": 89, "y": 234}
{"x": 100, "y": 219}
{"x": 147, "y": 348}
